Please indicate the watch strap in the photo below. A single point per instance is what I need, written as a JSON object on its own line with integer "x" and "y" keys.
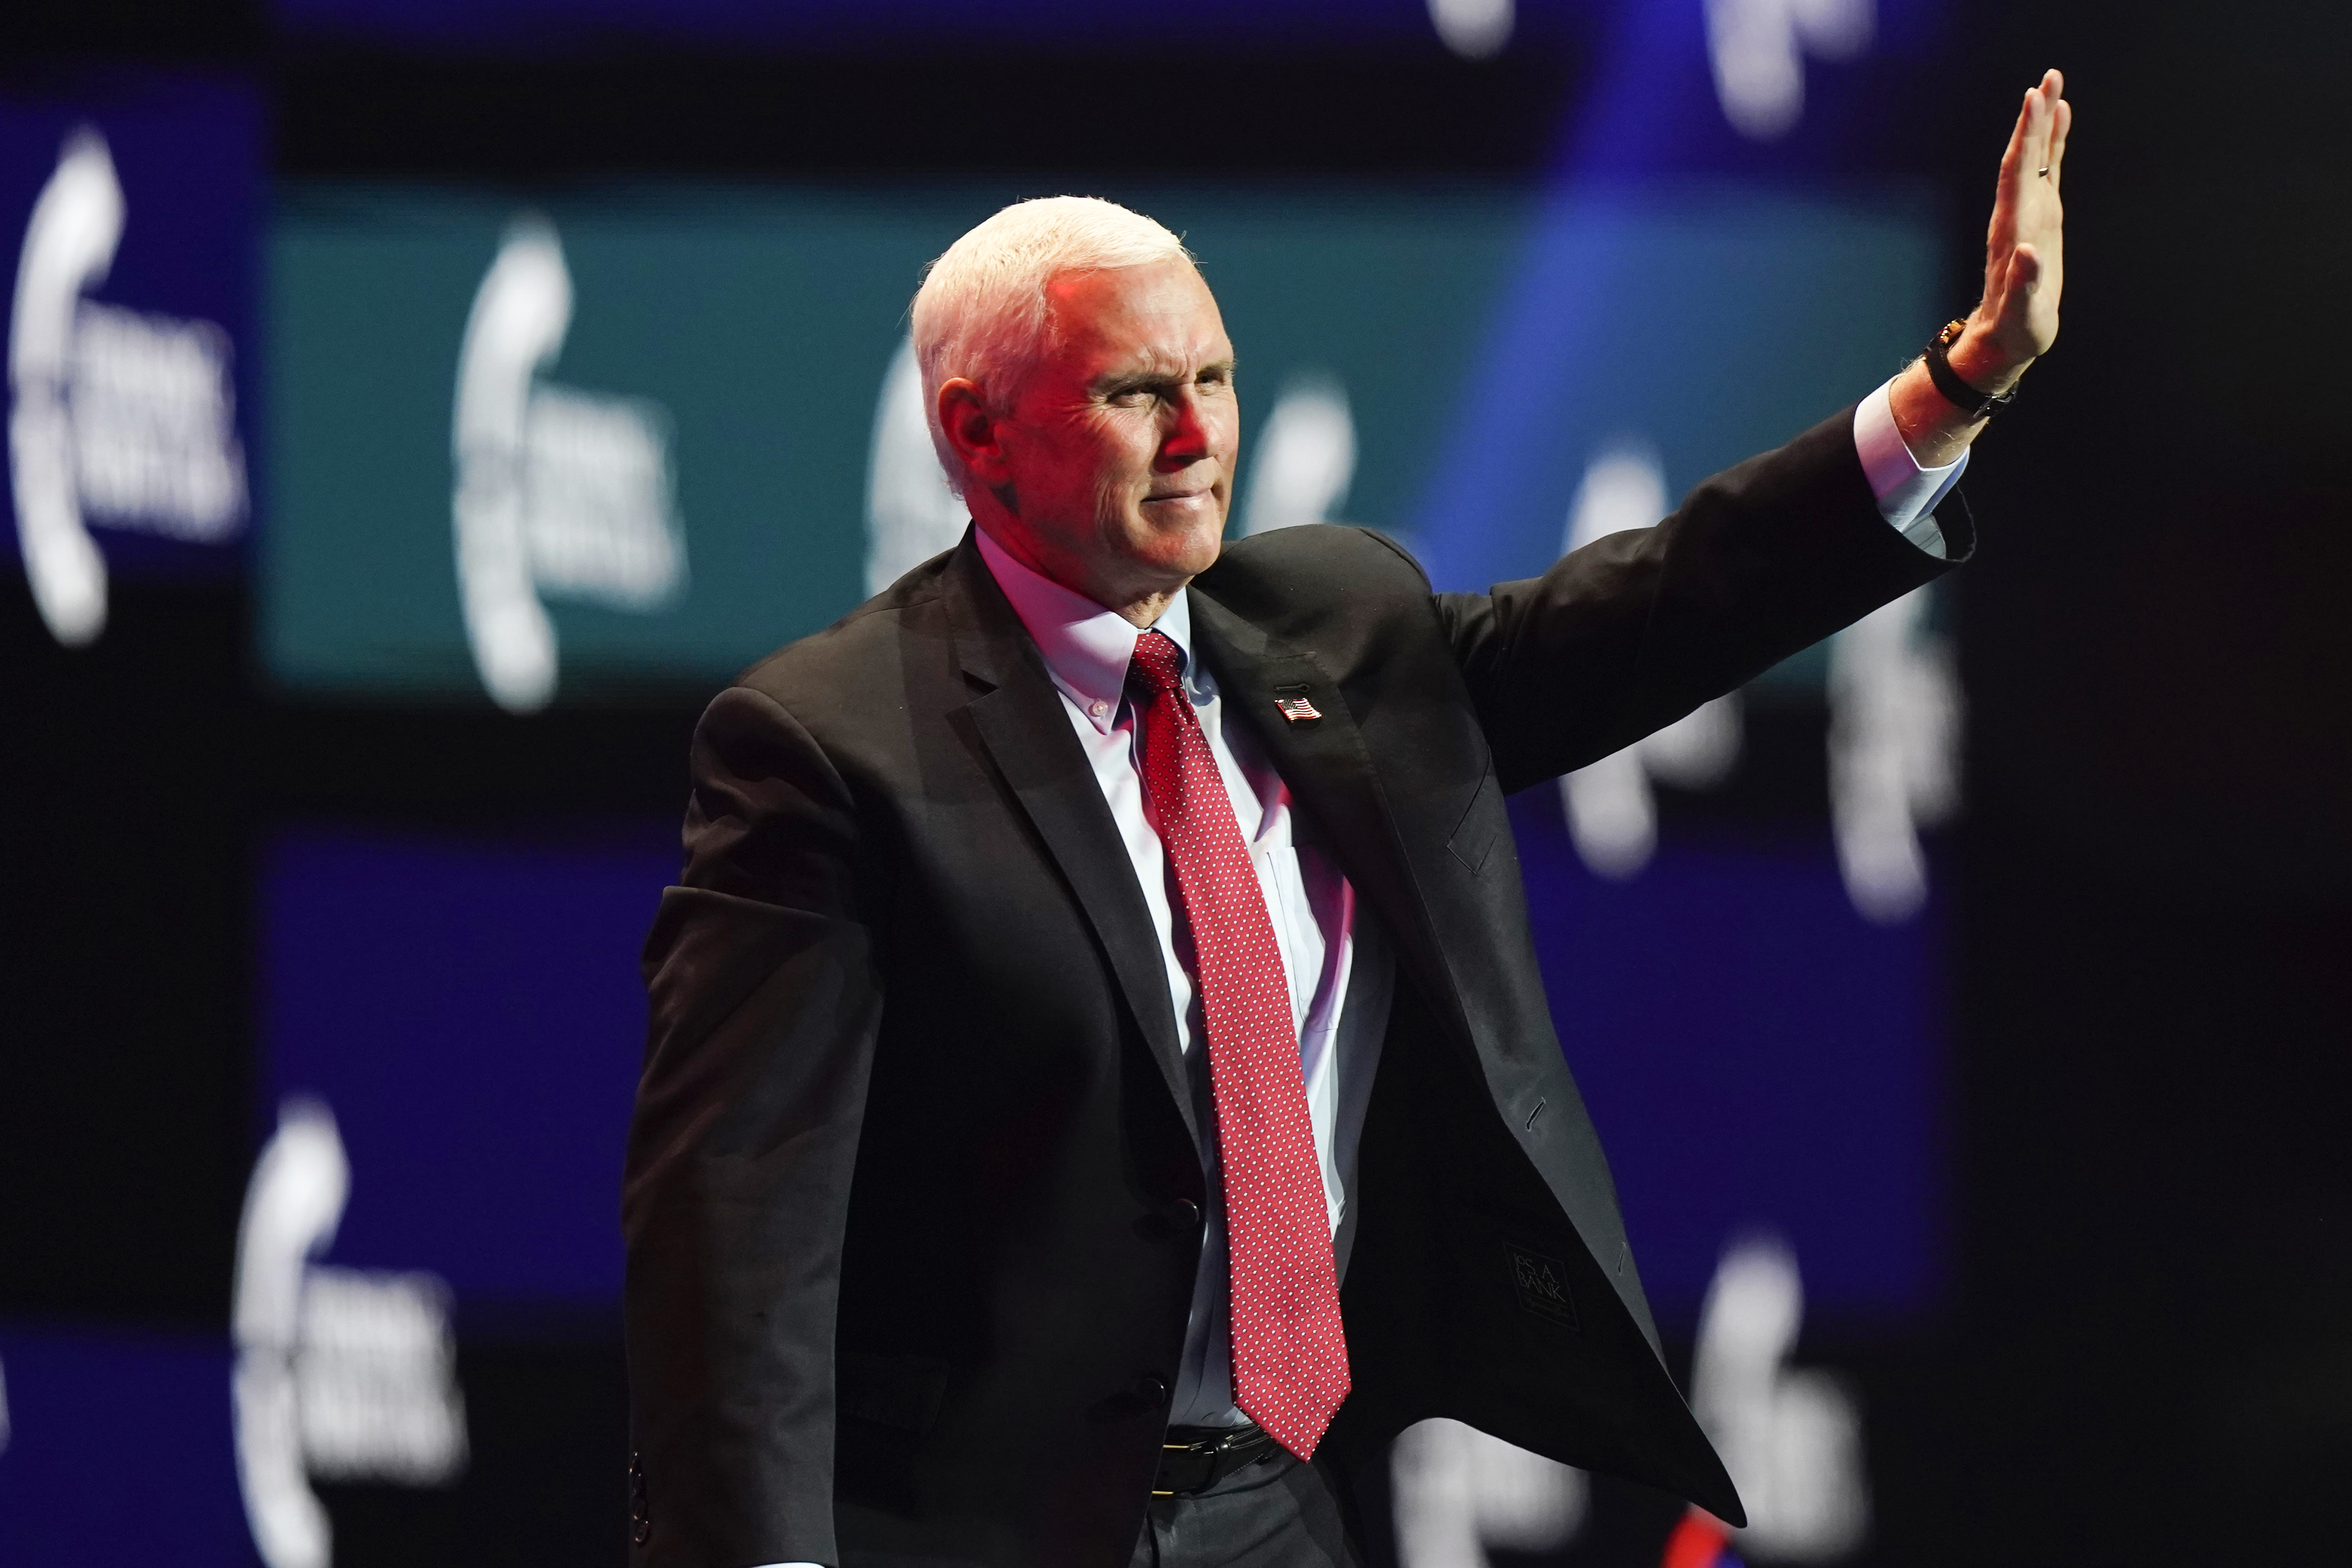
{"x": 1958, "y": 394}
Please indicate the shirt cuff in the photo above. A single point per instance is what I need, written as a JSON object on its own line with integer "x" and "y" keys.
{"x": 1907, "y": 493}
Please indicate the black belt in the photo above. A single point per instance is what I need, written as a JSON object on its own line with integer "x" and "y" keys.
{"x": 1195, "y": 1459}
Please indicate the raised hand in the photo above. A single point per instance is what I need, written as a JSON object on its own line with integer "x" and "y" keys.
{"x": 2025, "y": 248}
{"x": 2025, "y": 254}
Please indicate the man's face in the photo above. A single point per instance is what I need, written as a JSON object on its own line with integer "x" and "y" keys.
{"x": 1118, "y": 455}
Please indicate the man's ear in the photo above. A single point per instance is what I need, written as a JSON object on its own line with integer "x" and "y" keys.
{"x": 972, "y": 431}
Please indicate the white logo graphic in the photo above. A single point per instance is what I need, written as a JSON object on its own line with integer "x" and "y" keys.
{"x": 1459, "y": 1491}
{"x": 1893, "y": 741}
{"x": 340, "y": 1374}
{"x": 1895, "y": 727}
{"x": 556, "y": 491}
{"x": 1612, "y": 815}
{"x": 115, "y": 418}
{"x": 910, "y": 513}
{"x": 1474, "y": 29}
{"x": 1758, "y": 49}
{"x": 1790, "y": 1438}
{"x": 1306, "y": 457}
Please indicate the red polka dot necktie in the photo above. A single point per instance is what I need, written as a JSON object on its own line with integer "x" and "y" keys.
{"x": 1290, "y": 1355}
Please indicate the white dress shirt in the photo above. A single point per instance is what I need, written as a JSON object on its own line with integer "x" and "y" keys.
{"x": 1339, "y": 969}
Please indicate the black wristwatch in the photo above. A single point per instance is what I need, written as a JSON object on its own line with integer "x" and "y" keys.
{"x": 1957, "y": 392}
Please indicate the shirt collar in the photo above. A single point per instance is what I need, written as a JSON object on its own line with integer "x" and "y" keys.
{"x": 1087, "y": 648}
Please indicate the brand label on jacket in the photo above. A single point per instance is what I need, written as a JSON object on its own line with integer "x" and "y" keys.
{"x": 1542, "y": 1285}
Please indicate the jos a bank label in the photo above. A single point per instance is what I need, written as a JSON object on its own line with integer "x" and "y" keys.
{"x": 1542, "y": 1286}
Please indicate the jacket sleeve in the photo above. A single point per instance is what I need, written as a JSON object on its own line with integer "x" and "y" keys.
{"x": 765, "y": 1001}
{"x": 1636, "y": 629}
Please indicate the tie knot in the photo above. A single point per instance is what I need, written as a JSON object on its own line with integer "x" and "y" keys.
{"x": 1160, "y": 662}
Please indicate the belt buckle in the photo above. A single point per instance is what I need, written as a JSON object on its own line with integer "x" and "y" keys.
{"x": 1203, "y": 1450}
{"x": 1206, "y": 1453}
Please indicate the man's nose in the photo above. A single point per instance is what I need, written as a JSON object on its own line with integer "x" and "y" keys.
{"x": 1186, "y": 433}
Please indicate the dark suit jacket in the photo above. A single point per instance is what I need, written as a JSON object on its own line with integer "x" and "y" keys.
{"x": 909, "y": 1250}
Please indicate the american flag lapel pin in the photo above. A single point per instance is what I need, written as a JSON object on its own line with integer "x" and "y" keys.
{"x": 1295, "y": 707}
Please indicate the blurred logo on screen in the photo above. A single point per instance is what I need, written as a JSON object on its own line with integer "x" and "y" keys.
{"x": 1612, "y": 814}
{"x": 1459, "y": 1491}
{"x": 1895, "y": 740}
{"x": 1758, "y": 49}
{"x": 910, "y": 513}
{"x": 342, "y": 1374}
{"x": 558, "y": 492}
{"x": 1306, "y": 457}
{"x": 116, "y": 417}
{"x": 1474, "y": 29}
{"x": 1791, "y": 1437}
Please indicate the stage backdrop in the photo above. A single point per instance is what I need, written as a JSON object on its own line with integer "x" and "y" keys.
{"x": 561, "y": 450}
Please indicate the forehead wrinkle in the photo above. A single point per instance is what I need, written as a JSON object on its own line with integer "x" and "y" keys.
{"x": 1121, "y": 343}
{"x": 1156, "y": 361}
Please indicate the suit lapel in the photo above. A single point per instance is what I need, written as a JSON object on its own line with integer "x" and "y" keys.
{"x": 1328, "y": 767}
{"x": 1021, "y": 721}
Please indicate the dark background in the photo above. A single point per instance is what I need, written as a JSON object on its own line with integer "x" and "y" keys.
{"x": 2147, "y": 1352}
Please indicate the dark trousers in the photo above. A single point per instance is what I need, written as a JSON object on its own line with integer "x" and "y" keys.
{"x": 1276, "y": 1513}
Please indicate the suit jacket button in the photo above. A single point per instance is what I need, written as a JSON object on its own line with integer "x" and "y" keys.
{"x": 1183, "y": 1216}
{"x": 1151, "y": 1391}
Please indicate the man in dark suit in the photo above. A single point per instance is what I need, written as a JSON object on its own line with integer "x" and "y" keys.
{"x": 1099, "y": 1088}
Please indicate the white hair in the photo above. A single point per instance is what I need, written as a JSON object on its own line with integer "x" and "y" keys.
{"x": 982, "y": 313}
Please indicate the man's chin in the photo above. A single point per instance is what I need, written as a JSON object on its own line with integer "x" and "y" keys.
{"x": 1183, "y": 551}
{"x": 1196, "y": 557}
